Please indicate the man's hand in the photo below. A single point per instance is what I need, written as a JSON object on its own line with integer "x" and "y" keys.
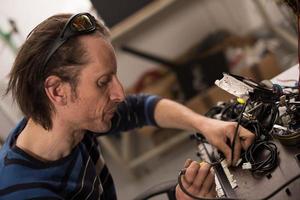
{"x": 198, "y": 180}
{"x": 218, "y": 133}
{"x": 169, "y": 114}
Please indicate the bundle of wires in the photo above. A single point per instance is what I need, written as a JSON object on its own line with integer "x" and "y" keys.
{"x": 262, "y": 154}
{"x": 263, "y": 157}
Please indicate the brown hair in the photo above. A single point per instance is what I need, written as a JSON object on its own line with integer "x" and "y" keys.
{"x": 293, "y": 4}
{"x": 26, "y": 77}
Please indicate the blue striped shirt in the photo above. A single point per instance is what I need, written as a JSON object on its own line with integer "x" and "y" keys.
{"x": 80, "y": 175}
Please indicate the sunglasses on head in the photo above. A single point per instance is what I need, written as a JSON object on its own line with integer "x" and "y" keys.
{"x": 78, "y": 24}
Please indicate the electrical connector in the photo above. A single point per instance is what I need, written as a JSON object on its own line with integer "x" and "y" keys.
{"x": 247, "y": 165}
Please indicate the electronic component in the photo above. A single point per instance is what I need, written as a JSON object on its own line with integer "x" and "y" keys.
{"x": 225, "y": 181}
{"x": 232, "y": 181}
{"x": 247, "y": 165}
{"x": 234, "y": 86}
{"x": 286, "y": 136}
{"x": 269, "y": 111}
{"x": 246, "y": 88}
{"x": 268, "y": 105}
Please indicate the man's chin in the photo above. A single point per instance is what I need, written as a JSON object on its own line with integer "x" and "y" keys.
{"x": 104, "y": 128}
{"x": 108, "y": 127}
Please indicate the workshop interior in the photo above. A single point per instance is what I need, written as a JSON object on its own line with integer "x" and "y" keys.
{"x": 232, "y": 60}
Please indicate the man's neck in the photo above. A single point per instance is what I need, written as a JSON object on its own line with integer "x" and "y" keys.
{"x": 48, "y": 145}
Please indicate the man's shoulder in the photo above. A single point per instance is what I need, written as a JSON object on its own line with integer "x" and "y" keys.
{"x": 13, "y": 166}
{"x": 21, "y": 176}
{"x": 19, "y": 181}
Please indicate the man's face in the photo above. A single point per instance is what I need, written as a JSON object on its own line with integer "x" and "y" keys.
{"x": 98, "y": 90}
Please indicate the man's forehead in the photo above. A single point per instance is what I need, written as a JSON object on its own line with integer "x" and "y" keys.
{"x": 100, "y": 55}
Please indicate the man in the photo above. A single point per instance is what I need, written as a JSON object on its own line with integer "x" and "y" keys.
{"x": 64, "y": 80}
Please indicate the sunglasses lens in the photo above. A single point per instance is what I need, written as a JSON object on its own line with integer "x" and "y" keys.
{"x": 82, "y": 23}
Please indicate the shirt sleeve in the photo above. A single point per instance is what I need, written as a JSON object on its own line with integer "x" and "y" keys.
{"x": 134, "y": 112}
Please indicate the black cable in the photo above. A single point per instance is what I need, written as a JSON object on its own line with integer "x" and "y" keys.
{"x": 262, "y": 166}
{"x": 236, "y": 130}
{"x": 253, "y": 126}
{"x": 228, "y": 113}
{"x": 182, "y": 172}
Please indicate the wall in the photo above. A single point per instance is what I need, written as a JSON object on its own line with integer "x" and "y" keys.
{"x": 27, "y": 15}
{"x": 172, "y": 32}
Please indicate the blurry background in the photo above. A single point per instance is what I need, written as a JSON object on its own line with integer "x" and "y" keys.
{"x": 173, "y": 48}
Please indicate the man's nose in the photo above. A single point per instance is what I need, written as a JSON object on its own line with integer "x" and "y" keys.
{"x": 117, "y": 91}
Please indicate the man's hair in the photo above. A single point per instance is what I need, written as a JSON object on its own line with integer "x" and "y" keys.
{"x": 26, "y": 77}
{"x": 293, "y": 4}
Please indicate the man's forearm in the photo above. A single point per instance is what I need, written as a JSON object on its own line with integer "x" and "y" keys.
{"x": 170, "y": 114}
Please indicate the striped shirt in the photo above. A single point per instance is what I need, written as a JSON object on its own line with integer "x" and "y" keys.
{"x": 80, "y": 175}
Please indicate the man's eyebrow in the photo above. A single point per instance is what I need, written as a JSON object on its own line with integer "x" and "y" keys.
{"x": 107, "y": 73}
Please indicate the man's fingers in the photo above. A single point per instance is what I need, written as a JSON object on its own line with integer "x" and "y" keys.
{"x": 243, "y": 140}
{"x": 184, "y": 182}
{"x": 246, "y": 143}
{"x": 197, "y": 180}
{"x": 187, "y": 162}
{"x": 203, "y": 172}
{"x": 191, "y": 172}
{"x": 191, "y": 168}
{"x": 207, "y": 184}
{"x": 247, "y": 138}
{"x": 237, "y": 151}
{"x": 222, "y": 146}
{"x": 212, "y": 192}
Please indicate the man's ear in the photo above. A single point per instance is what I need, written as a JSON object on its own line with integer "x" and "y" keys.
{"x": 56, "y": 90}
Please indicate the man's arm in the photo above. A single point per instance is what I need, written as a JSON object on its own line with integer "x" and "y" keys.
{"x": 169, "y": 114}
{"x": 140, "y": 110}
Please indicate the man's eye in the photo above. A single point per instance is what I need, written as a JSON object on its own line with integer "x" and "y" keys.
{"x": 103, "y": 83}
